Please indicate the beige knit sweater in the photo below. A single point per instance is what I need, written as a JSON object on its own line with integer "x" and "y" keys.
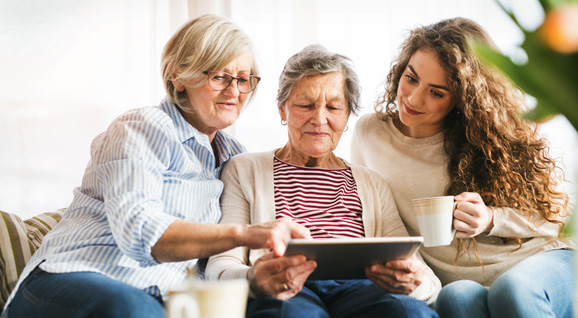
{"x": 249, "y": 198}
{"x": 417, "y": 168}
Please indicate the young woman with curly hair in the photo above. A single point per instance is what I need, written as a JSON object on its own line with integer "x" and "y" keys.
{"x": 448, "y": 124}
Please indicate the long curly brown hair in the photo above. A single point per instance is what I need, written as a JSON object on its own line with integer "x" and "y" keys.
{"x": 492, "y": 150}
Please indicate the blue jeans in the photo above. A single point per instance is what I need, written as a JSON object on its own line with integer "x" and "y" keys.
{"x": 543, "y": 285}
{"x": 341, "y": 298}
{"x": 82, "y": 294}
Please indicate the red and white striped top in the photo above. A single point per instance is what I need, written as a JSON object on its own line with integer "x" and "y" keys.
{"x": 323, "y": 200}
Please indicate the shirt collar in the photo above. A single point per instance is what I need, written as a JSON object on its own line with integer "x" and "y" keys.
{"x": 223, "y": 144}
{"x": 186, "y": 131}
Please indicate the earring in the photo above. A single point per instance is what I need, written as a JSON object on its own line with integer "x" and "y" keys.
{"x": 284, "y": 123}
{"x": 346, "y": 128}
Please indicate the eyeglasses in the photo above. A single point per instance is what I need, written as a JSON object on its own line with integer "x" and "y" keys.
{"x": 219, "y": 81}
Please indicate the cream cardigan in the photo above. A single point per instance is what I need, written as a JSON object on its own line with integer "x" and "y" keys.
{"x": 417, "y": 168}
{"x": 248, "y": 198}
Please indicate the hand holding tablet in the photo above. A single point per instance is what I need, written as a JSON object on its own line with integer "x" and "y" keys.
{"x": 348, "y": 258}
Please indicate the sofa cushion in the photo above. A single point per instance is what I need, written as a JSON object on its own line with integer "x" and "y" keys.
{"x": 38, "y": 226}
{"x": 18, "y": 241}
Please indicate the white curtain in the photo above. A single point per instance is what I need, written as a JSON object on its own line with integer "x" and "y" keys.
{"x": 69, "y": 67}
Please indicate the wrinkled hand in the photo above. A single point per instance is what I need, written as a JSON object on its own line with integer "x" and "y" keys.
{"x": 472, "y": 217}
{"x": 279, "y": 277}
{"x": 398, "y": 276}
{"x": 274, "y": 235}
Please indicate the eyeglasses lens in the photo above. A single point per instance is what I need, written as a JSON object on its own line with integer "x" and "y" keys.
{"x": 221, "y": 80}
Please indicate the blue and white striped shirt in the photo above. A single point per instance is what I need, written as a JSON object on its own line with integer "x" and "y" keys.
{"x": 148, "y": 169}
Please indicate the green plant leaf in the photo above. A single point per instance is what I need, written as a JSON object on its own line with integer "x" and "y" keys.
{"x": 546, "y": 5}
{"x": 548, "y": 76}
{"x": 506, "y": 66}
{"x": 556, "y": 74}
{"x": 540, "y": 113}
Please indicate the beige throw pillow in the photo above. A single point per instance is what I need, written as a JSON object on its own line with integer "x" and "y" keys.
{"x": 18, "y": 241}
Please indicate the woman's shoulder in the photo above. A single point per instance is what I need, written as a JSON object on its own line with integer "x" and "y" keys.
{"x": 250, "y": 162}
{"x": 143, "y": 117}
{"x": 369, "y": 119}
{"x": 369, "y": 181}
{"x": 366, "y": 174}
{"x": 372, "y": 123}
{"x": 255, "y": 157}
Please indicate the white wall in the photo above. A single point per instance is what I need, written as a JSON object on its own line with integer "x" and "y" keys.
{"x": 68, "y": 67}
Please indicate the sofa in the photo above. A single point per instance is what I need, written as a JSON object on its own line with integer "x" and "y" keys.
{"x": 19, "y": 239}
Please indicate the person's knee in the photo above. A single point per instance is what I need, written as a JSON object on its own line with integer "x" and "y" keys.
{"x": 461, "y": 297}
{"x": 513, "y": 289}
{"x": 128, "y": 305}
{"x": 264, "y": 307}
{"x": 411, "y": 307}
{"x": 462, "y": 291}
{"x": 519, "y": 293}
{"x": 298, "y": 306}
{"x": 510, "y": 286}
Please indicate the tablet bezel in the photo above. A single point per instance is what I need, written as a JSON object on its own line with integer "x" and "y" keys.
{"x": 347, "y": 258}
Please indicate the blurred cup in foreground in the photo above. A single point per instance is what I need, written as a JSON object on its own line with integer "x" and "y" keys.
{"x": 208, "y": 299}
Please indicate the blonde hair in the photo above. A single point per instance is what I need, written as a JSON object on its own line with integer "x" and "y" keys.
{"x": 206, "y": 43}
{"x": 492, "y": 150}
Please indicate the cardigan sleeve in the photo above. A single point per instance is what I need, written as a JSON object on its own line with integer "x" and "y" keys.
{"x": 356, "y": 147}
{"x": 231, "y": 264}
{"x": 381, "y": 218}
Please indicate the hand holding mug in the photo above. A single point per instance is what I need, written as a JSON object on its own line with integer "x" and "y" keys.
{"x": 472, "y": 217}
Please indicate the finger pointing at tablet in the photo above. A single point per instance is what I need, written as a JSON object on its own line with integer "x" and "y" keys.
{"x": 276, "y": 235}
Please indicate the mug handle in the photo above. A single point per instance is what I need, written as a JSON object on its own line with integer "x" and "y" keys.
{"x": 182, "y": 305}
{"x": 453, "y": 228}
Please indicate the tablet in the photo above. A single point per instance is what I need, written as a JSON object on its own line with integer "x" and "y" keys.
{"x": 347, "y": 258}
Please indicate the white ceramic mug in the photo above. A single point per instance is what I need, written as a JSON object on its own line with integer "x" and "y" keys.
{"x": 435, "y": 217}
{"x": 208, "y": 299}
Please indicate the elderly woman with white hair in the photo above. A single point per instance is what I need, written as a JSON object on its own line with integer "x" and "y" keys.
{"x": 306, "y": 182}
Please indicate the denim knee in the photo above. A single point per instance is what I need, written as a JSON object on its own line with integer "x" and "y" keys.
{"x": 511, "y": 285}
{"x": 542, "y": 285}
{"x": 303, "y": 304}
{"x": 513, "y": 290}
{"x": 411, "y": 307}
{"x": 463, "y": 298}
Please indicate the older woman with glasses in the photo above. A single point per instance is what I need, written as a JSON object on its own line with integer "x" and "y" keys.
{"x": 306, "y": 182}
{"x": 149, "y": 199}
